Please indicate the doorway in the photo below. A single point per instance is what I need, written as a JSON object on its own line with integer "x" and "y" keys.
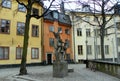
{"x": 49, "y": 59}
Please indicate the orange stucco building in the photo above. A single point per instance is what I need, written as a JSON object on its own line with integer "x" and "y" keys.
{"x": 56, "y": 22}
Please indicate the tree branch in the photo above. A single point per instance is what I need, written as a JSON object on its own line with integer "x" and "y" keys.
{"x": 39, "y": 16}
{"x": 21, "y": 3}
{"x": 112, "y": 26}
{"x": 109, "y": 34}
{"x": 109, "y": 18}
{"x": 1, "y": 3}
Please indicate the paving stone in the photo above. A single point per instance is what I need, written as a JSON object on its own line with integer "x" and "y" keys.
{"x": 45, "y": 73}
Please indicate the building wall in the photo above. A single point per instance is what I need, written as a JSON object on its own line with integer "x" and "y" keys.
{"x": 13, "y": 40}
{"x": 48, "y": 34}
{"x": 110, "y": 39}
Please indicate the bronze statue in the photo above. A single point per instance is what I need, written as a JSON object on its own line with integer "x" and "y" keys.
{"x": 60, "y": 47}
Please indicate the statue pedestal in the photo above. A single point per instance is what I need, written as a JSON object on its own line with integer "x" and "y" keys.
{"x": 60, "y": 69}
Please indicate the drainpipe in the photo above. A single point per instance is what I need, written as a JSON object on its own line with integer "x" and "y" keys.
{"x": 74, "y": 39}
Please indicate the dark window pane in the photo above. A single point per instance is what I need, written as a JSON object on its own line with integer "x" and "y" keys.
{"x": 5, "y": 26}
{"x": 20, "y": 28}
{"x": 35, "y": 30}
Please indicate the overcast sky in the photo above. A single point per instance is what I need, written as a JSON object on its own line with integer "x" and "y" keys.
{"x": 70, "y": 4}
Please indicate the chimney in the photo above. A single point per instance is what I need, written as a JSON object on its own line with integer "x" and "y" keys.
{"x": 62, "y": 10}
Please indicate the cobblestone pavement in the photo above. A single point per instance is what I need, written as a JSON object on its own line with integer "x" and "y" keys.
{"x": 44, "y": 73}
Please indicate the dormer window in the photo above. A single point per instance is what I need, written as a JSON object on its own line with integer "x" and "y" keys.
{"x": 55, "y": 15}
{"x": 35, "y": 11}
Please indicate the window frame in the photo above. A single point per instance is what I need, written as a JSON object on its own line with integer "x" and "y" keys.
{"x": 118, "y": 41}
{"x": 96, "y": 32}
{"x": 6, "y": 6}
{"x": 51, "y": 42}
{"x": 21, "y": 51}
{"x": 7, "y": 29}
{"x": 35, "y": 11}
{"x": 37, "y": 56}
{"x": 67, "y": 31}
{"x": 51, "y": 28}
{"x": 21, "y": 23}
{"x": 23, "y": 9}
{"x": 79, "y": 31}
{"x": 107, "y": 49}
{"x": 88, "y": 33}
{"x": 4, "y": 53}
{"x": 37, "y": 31}
{"x": 80, "y": 50}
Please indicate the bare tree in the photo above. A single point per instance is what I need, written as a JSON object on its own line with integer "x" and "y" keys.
{"x": 29, "y": 15}
{"x": 100, "y": 9}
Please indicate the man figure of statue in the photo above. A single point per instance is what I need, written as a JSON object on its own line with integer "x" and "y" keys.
{"x": 58, "y": 47}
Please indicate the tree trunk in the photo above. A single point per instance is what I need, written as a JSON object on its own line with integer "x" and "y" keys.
{"x": 23, "y": 70}
{"x": 102, "y": 48}
{"x": 102, "y": 44}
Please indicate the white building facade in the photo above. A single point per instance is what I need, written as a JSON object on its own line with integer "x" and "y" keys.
{"x": 86, "y": 39}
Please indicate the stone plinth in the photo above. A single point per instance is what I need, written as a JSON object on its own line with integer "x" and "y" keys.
{"x": 60, "y": 69}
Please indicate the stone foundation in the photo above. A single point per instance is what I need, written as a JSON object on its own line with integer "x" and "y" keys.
{"x": 60, "y": 69}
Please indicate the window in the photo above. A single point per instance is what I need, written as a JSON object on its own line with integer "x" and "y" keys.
{"x": 35, "y": 11}
{"x": 35, "y": 30}
{"x": 5, "y": 26}
{"x": 95, "y": 19}
{"x": 4, "y": 52}
{"x": 118, "y": 25}
{"x": 67, "y": 31}
{"x": 88, "y": 34}
{"x": 118, "y": 41}
{"x": 51, "y": 41}
{"x": 55, "y": 15}
{"x": 21, "y": 8}
{"x": 19, "y": 51}
{"x": 51, "y": 28}
{"x": 89, "y": 49}
{"x": 35, "y": 53}
{"x": 6, "y": 3}
{"x": 96, "y": 32}
{"x": 67, "y": 42}
{"x": 79, "y": 32}
{"x": 20, "y": 28}
{"x": 98, "y": 49}
{"x": 106, "y": 49}
{"x": 80, "y": 50}
{"x": 59, "y": 30}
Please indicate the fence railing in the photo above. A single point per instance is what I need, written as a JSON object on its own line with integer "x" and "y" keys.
{"x": 105, "y": 66}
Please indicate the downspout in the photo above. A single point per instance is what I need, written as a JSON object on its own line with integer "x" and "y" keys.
{"x": 74, "y": 39}
{"x": 42, "y": 38}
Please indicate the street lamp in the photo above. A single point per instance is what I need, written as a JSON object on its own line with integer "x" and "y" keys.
{"x": 116, "y": 42}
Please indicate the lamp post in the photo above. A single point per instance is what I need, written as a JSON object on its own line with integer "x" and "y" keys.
{"x": 113, "y": 50}
{"x": 116, "y": 42}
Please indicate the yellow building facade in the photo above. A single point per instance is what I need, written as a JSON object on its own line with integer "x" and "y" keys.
{"x": 12, "y": 22}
